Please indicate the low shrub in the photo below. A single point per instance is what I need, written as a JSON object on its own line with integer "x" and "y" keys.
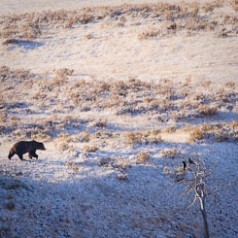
{"x": 142, "y": 157}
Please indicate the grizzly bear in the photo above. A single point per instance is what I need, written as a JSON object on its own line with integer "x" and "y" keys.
{"x": 23, "y": 147}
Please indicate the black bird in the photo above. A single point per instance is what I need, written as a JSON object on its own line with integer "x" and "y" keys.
{"x": 184, "y": 165}
{"x": 191, "y": 161}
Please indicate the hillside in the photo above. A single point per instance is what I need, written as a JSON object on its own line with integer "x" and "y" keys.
{"x": 120, "y": 95}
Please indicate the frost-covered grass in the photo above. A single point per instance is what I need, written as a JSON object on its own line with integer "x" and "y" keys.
{"x": 63, "y": 104}
{"x": 120, "y": 96}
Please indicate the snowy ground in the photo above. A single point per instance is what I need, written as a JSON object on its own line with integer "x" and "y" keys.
{"x": 94, "y": 202}
{"x": 101, "y": 94}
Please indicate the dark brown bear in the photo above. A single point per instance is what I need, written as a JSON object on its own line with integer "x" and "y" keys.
{"x": 23, "y": 147}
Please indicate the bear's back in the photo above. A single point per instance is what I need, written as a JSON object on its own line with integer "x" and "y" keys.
{"x": 22, "y": 147}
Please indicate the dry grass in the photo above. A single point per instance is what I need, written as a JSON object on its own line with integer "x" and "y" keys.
{"x": 10, "y": 206}
{"x": 70, "y": 22}
{"x": 220, "y": 132}
{"x": 63, "y": 146}
{"x": 105, "y": 162}
{"x": 90, "y": 95}
{"x": 3, "y": 116}
{"x": 230, "y": 84}
{"x": 227, "y": 132}
{"x": 197, "y": 134}
{"x": 64, "y": 142}
{"x": 103, "y": 134}
{"x": 101, "y": 123}
{"x": 122, "y": 21}
{"x": 162, "y": 101}
{"x": 171, "y": 153}
{"x": 134, "y": 138}
{"x": 152, "y": 137}
{"x": 207, "y": 111}
{"x": 175, "y": 16}
{"x": 170, "y": 129}
{"x": 82, "y": 137}
{"x": 235, "y": 5}
{"x": 42, "y": 136}
{"x": 142, "y": 157}
{"x": 148, "y": 34}
{"x": 166, "y": 29}
{"x": 72, "y": 166}
{"x": 122, "y": 177}
{"x": 19, "y": 74}
{"x": 61, "y": 77}
{"x": 90, "y": 149}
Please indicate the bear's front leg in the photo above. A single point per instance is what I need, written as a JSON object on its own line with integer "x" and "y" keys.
{"x": 33, "y": 153}
{"x": 20, "y": 156}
